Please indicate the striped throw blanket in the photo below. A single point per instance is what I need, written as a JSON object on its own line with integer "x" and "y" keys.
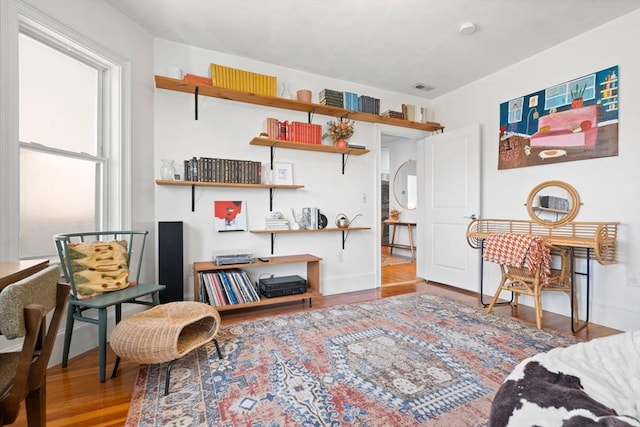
{"x": 519, "y": 250}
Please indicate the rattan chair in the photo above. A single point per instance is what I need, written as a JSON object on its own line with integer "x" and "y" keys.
{"x": 520, "y": 281}
{"x": 23, "y": 309}
{"x": 83, "y": 299}
{"x": 165, "y": 333}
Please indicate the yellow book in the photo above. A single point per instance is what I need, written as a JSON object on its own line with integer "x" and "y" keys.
{"x": 212, "y": 69}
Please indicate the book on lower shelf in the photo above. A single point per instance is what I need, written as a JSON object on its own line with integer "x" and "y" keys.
{"x": 226, "y": 287}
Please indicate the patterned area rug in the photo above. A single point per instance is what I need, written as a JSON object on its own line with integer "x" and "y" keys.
{"x": 400, "y": 361}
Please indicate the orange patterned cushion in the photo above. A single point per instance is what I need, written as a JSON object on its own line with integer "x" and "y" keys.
{"x": 99, "y": 267}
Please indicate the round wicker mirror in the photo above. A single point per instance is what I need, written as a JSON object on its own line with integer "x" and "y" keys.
{"x": 553, "y": 203}
{"x": 405, "y": 185}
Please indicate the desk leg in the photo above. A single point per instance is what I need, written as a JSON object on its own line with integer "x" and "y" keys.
{"x": 485, "y": 304}
{"x": 576, "y": 326}
{"x": 393, "y": 238}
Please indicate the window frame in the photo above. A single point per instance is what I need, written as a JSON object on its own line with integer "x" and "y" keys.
{"x": 14, "y": 17}
{"x": 61, "y": 46}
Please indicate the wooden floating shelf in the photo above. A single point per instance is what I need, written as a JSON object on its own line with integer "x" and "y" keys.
{"x": 320, "y": 230}
{"x": 289, "y": 104}
{"x": 278, "y": 143}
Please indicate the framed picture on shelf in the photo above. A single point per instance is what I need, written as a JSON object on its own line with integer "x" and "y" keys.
{"x": 283, "y": 173}
{"x": 230, "y": 215}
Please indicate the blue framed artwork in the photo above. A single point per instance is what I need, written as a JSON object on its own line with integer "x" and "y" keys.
{"x": 574, "y": 120}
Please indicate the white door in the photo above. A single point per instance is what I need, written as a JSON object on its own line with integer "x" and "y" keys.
{"x": 449, "y": 168}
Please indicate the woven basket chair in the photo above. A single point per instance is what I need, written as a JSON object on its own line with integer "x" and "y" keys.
{"x": 520, "y": 281}
{"x": 165, "y": 333}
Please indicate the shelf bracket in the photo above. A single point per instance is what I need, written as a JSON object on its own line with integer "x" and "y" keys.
{"x": 345, "y": 235}
{"x": 193, "y": 197}
{"x": 196, "y": 99}
{"x": 345, "y": 157}
{"x": 310, "y": 115}
{"x": 273, "y": 241}
{"x": 272, "y": 150}
{"x": 271, "y": 193}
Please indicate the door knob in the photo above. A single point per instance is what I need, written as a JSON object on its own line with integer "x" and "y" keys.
{"x": 472, "y": 216}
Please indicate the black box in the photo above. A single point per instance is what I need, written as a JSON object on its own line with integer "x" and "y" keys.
{"x": 282, "y": 286}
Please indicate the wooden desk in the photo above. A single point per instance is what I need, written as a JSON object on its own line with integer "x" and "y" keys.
{"x": 411, "y": 246}
{"x": 13, "y": 271}
{"x": 590, "y": 240}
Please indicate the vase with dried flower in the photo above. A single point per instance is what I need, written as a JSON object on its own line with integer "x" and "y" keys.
{"x": 340, "y": 131}
{"x": 394, "y": 215}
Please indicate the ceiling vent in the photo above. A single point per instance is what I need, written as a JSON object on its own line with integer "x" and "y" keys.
{"x": 422, "y": 86}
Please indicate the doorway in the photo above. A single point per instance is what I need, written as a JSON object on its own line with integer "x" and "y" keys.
{"x": 397, "y": 266}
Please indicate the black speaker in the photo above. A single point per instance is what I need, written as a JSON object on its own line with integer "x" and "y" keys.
{"x": 170, "y": 261}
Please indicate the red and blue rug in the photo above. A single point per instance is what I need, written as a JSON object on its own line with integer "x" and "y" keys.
{"x": 410, "y": 360}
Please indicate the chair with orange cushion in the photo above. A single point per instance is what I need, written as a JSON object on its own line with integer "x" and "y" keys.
{"x": 103, "y": 268}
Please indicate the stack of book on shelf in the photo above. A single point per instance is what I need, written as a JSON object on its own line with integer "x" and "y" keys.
{"x": 209, "y": 169}
{"x": 246, "y": 81}
{"x": 414, "y": 114}
{"x": 332, "y": 98}
{"x": 358, "y": 146}
{"x": 351, "y": 101}
{"x": 276, "y": 224}
{"x": 394, "y": 114}
{"x": 307, "y": 133}
{"x": 226, "y": 287}
{"x": 368, "y": 104}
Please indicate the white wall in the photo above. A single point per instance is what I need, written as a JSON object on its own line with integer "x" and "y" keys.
{"x": 607, "y": 186}
{"x": 224, "y": 130}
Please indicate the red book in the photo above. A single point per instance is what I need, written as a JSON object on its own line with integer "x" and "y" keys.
{"x": 193, "y": 78}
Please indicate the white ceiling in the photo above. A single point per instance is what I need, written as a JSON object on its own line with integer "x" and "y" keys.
{"x": 388, "y": 44}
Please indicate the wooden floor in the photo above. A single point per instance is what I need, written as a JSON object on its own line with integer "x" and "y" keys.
{"x": 75, "y": 397}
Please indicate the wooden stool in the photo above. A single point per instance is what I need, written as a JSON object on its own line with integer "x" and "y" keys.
{"x": 165, "y": 333}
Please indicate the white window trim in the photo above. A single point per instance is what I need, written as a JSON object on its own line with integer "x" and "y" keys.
{"x": 13, "y": 16}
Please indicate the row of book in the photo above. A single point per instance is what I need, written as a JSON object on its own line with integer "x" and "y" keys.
{"x": 414, "y": 113}
{"x": 368, "y": 104}
{"x": 226, "y": 287}
{"x": 307, "y": 133}
{"x": 209, "y": 169}
{"x": 246, "y": 81}
{"x": 394, "y": 114}
{"x": 350, "y": 101}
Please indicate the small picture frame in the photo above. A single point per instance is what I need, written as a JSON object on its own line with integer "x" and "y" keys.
{"x": 283, "y": 173}
{"x": 176, "y": 177}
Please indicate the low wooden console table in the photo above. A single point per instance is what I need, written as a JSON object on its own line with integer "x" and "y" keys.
{"x": 589, "y": 240}
{"x": 410, "y": 226}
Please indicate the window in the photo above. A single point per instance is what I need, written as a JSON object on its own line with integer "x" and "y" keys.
{"x": 563, "y": 94}
{"x": 515, "y": 110}
{"x": 66, "y": 154}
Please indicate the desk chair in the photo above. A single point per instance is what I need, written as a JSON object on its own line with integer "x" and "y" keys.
{"x": 24, "y": 306}
{"x": 103, "y": 268}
